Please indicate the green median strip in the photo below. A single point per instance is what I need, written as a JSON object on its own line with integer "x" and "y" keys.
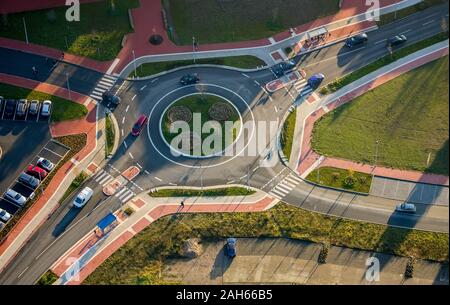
{"x": 229, "y": 191}
{"x": 62, "y": 109}
{"x": 110, "y": 135}
{"x": 243, "y": 62}
{"x": 341, "y": 179}
{"x": 377, "y": 64}
{"x": 142, "y": 257}
{"x": 48, "y": 278}
{"x": 74, "y": 185}
{"x": 287, "y": 135}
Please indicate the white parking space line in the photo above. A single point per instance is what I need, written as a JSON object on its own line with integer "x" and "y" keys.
{"x": 47, "y": 149}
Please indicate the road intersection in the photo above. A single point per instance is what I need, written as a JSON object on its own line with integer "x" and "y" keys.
{"x": 158, "y": 167}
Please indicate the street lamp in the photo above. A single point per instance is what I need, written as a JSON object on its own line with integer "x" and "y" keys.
{"x": 134, "y": 63}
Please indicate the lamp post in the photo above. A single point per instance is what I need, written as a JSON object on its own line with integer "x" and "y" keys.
{"x": 134, "y": 63}
{"x": 25, "y": 28}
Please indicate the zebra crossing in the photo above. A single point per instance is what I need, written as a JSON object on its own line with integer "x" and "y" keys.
{"x": 285, "y": 186}
{"x": 124, "y": 194}
{"x": 104, "y": 84}
{"x": 302, "y": 87}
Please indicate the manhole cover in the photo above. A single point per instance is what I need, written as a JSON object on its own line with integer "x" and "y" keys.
{"x": 156, "y": 39}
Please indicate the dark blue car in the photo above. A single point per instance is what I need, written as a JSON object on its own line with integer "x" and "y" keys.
{"x": 315, "y": 80}
{"x": 230, "y": 247}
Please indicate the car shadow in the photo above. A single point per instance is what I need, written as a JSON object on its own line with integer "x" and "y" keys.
{"x": 221, "y": 264}
{"x": 66, "y": 221}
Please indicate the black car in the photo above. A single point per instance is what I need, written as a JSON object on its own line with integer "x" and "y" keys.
{"x": 283, "y": 67}
{"x": 10, "y": 107}
{"x": 357, "y": 40}
{"x": 110, "y": 99}
{"x": 189, "y": 79}
{"x": 396, "y": 40}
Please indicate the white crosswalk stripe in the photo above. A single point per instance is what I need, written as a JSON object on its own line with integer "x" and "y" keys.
{"x": 300, "y": 84}
{"x": 125, "y": 194}
{"x": 105, "y": 83}
{"x": 285, "y": 186}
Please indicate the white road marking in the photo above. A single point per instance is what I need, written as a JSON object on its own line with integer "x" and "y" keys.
{"x": 174, "y": 184}
{"x": 125, "y": 144}
{"x": 157, "y": 178}
{"x": 245, "y": 75}
{"x": 276, "y": 110}
{"x": 154, "y": 80}
{"x": 428, "y": 22}
{"x": 407, "y": 31}
{"x": 134, "y": 96}
{"x": 380, "y": 41}
{"x": 123, "y": 120}
{"x": 256, "y": 82}
{"x": 145, "y": 86}
{"x": 131, "y": 156}
{"x": 121, "y": 131}
{"x": 21, "y": 273}
{"x": 128, "y": 107}
{"x": 138, "y": 165}
{"x": 147, "y": 172}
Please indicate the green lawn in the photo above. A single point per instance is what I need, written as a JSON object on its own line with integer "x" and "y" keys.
{"x": 226, "y": 21}
{"x": 388, "y": 18}
{"x": 229, "y": 191}
{"x": 341, "y": 178}
{"x": 109, "y": 135}
{"x": 62, "y": 109}
{"x": 74, "y": 185}
{"x": 199, "y": 103}
{"x": 141, "y": 258}
{"x": 377, "y": 64}
{"x": 98, "y": 34}
{"x": 243, "y": 62}
{"x": 408, "y": 115}
{"x": 287, "y": 135}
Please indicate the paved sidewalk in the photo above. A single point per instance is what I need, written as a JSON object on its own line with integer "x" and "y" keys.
{"x": 304, "y": 159}
{"x": 91, "y": 250}
{"x": 93, "y": 152}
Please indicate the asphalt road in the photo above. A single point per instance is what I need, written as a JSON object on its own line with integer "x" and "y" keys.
{"x": 142, "y": 96}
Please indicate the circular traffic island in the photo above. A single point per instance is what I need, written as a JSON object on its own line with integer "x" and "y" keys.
{"x": 200, "y": 125}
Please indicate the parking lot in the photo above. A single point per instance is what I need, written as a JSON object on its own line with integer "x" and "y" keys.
{"x": 52, "y": 151}
{"x": 409, "y": 191}
{"x": 10, "y": 111}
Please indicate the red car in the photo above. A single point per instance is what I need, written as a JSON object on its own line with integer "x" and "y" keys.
{"x": 139, "y": 125}
{"x": 36, "y": 171}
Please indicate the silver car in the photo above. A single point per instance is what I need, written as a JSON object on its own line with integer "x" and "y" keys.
{"x": 46, "y": 108}
{"x": 34, "y": 107}
{"x": 5, "y": 216}
{"x": 22, "y": 107}
{"x": 406, "y": 207}
{"x": 15, "y": 197}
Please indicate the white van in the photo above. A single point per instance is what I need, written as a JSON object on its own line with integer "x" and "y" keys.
{"x": 83, "y": 197}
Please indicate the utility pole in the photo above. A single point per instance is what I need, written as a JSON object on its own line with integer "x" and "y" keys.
{"x": 193, "y": 48}
{"x": 25, "y": 28}
{"x": 134, "y": 63}
{"x": 68, "y": 86}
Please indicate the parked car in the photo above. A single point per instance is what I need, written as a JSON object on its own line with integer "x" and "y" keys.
{"x": 406, "y": 207}
{"x": 22, "y": 107}
{"x": 396, "y": 41}
{"x": 34, "y": 107}
{"x": 139, "y": 125}
{"x": 2, "y": 225}
{"x": 230, "y": 247}
{"x": 284, "y": 67}
{"x": 1, "y": 103}
{"x": 110, "y": 99}
{"x": 5, "y": 216}
{"x": 10, "y": 107}
{"x": 357, "y": 40}
{"x": 15, "y": 197}
{"x": 28, "y": 180}
{"x": 46, "y": 108}
{"x": 315, "y": 80}
{"x": 190, "y": 79}
{"x": 83, "y": 197}
{"x": 45, "y": 164}
{"x": 36, "y": 171}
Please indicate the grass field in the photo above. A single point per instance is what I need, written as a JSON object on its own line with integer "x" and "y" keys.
{"x": 139, "y": 260}
{"x": 199, "y": 103}
{"x": 229, "y": 191}
{"x": 236, "y": 20}
{"x": 339, "y": 178}
{"x": 62, "y": 109}
{"x": 373, "y": 66}
{"x": 287, "y": 136}
{"x": 388, "y": 18}
{"x": 243, "y": 62}
{"x": 408, "y": 115}
{"x": 93, "y": 36}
